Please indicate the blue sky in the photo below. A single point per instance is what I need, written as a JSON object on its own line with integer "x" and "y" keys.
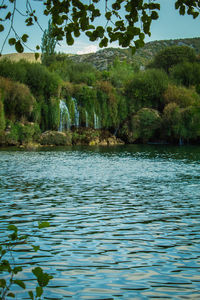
{"x": 169, "y": 26}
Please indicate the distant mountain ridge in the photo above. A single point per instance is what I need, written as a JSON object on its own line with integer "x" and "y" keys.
{"x": 105, "y": 57}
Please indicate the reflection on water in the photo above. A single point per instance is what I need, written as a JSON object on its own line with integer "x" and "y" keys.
{"x": 124, "y": 220}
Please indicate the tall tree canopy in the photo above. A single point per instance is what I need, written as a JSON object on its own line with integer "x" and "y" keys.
{"x": 48, "y": 41}
{"x": 126, "y": 21}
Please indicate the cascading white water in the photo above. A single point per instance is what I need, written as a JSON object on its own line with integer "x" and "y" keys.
{"x": 86, "y": 118}
{"x": 65, "y": 120}
{"x": 96, "y": 121}
{"x": 76, "y": 113}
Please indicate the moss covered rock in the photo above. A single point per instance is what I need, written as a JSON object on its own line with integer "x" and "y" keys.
{"x": 56, "y": 138}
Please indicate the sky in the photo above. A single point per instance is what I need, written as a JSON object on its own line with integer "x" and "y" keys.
{"x": 170, "y": 25}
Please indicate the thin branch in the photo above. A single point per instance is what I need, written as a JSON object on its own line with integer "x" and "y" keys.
{"x": 11, "y": 27}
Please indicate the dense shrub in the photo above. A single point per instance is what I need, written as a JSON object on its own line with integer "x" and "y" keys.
{"x": 38, "y": 78}
{"x": 171, "y": 56}
{"x": 145, "y": 123}
{"x": 146, "y": 90}
{"x": 172, "y": 120}
{"x": 186, "y": 73}
{"x": 18, "y": 100}
{"x": 71, "y": 71}
{"x": 19, "y": 133}
{"x": 120, "y": 73}
{"x": 181, "y": 96}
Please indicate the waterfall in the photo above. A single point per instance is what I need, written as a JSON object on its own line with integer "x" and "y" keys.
{"x": 96, "y": 121}
{"x": 65, "y": 120}
{"x": 76, "y": 113}
{"x": 86, "y": 118}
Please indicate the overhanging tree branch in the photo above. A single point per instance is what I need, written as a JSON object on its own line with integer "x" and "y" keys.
{"x": 126, "y": 21}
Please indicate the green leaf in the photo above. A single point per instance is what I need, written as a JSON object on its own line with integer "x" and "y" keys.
{"x": 103, "y": 43}
{"x": 19, "y": 48}
{"x": 182, "y": 10}
{"x": 37, "y": 271}
{"x": 17, "y": 270}
{"x": 108, "y": 15}
{"x": 195, "y": 14}
{"x": 24, "y": 38}
{"x": 12, "y": 227}
{"x": 37, "y": 47}
{"x": 39, "y": 291}
{"x": 37, "y": 56}
{"x": 12, "y": 41}
{"x": 31, "y": 295}
{"x": 1, "y": 28}
{"x": 13, "y": 236}
{"x": 3, "y": 252}
{"x": 69, "y": 39}
{"x": 11, "y": 295}
{"x": 20, "y": 283}
{"x": 8, "y": 15}
{"x": 36, "y": 248}
{"x": 43, "y": 225}
{"x": 2, "y": 283}
{"x": 154, "y": 15}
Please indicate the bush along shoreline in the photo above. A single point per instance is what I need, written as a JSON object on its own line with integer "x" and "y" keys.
{"x": 63, "y": 103}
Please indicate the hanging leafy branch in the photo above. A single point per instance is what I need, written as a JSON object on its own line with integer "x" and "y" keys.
{"x": 126, "y": 21}
{"x": 10, "y": 269}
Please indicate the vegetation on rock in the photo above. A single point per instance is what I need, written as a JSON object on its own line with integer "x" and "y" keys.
{"x": 156, "y": 104}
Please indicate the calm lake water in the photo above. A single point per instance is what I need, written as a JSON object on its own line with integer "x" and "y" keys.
{"x": 125, "y": 221}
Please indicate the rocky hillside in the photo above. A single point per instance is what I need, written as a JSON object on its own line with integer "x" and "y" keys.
{"x": 103, "y": 58}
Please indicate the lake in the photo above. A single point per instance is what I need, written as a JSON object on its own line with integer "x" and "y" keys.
{"x": 124, "y": 221}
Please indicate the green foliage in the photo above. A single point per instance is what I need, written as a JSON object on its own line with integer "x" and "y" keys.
{"x": 54, "y": 114}
{"x": 108, "y": 102}
{"x": 39, "y": 79}
{"x": 87, "y": 97}
{"x": 2, "y": 115}
{"x": 145, "y": 123}
{"x": 10, "y": 269}
{"x": 124, "y": 21}
{"x": 171, "y": 56}
{"x": 186, "y": 73}
{"x": 18, "y": 101}
{"x": 48, "y": 41}
{"x": 120, "y": 73}
{"x": 181, "y": 123}
{"x": 71, "y": 71}
{"x": 146, "y": 90}
{"x": 182, "y": 96}
{"x": 19, "y": 133}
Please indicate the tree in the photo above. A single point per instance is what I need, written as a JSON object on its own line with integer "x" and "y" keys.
{"x": 146, "y": 90}
{"x": 171, "y": 56}
{"x": 126, "y": 21}
{"x": 48, "y": 40}
{"x": 186, "y": 73}
{"x": 145, "y": 123}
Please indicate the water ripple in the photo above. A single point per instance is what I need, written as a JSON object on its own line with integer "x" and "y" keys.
{"x": 124, "y": 220}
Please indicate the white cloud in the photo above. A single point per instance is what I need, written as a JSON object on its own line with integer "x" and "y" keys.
{"x": 88, "y": 49}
